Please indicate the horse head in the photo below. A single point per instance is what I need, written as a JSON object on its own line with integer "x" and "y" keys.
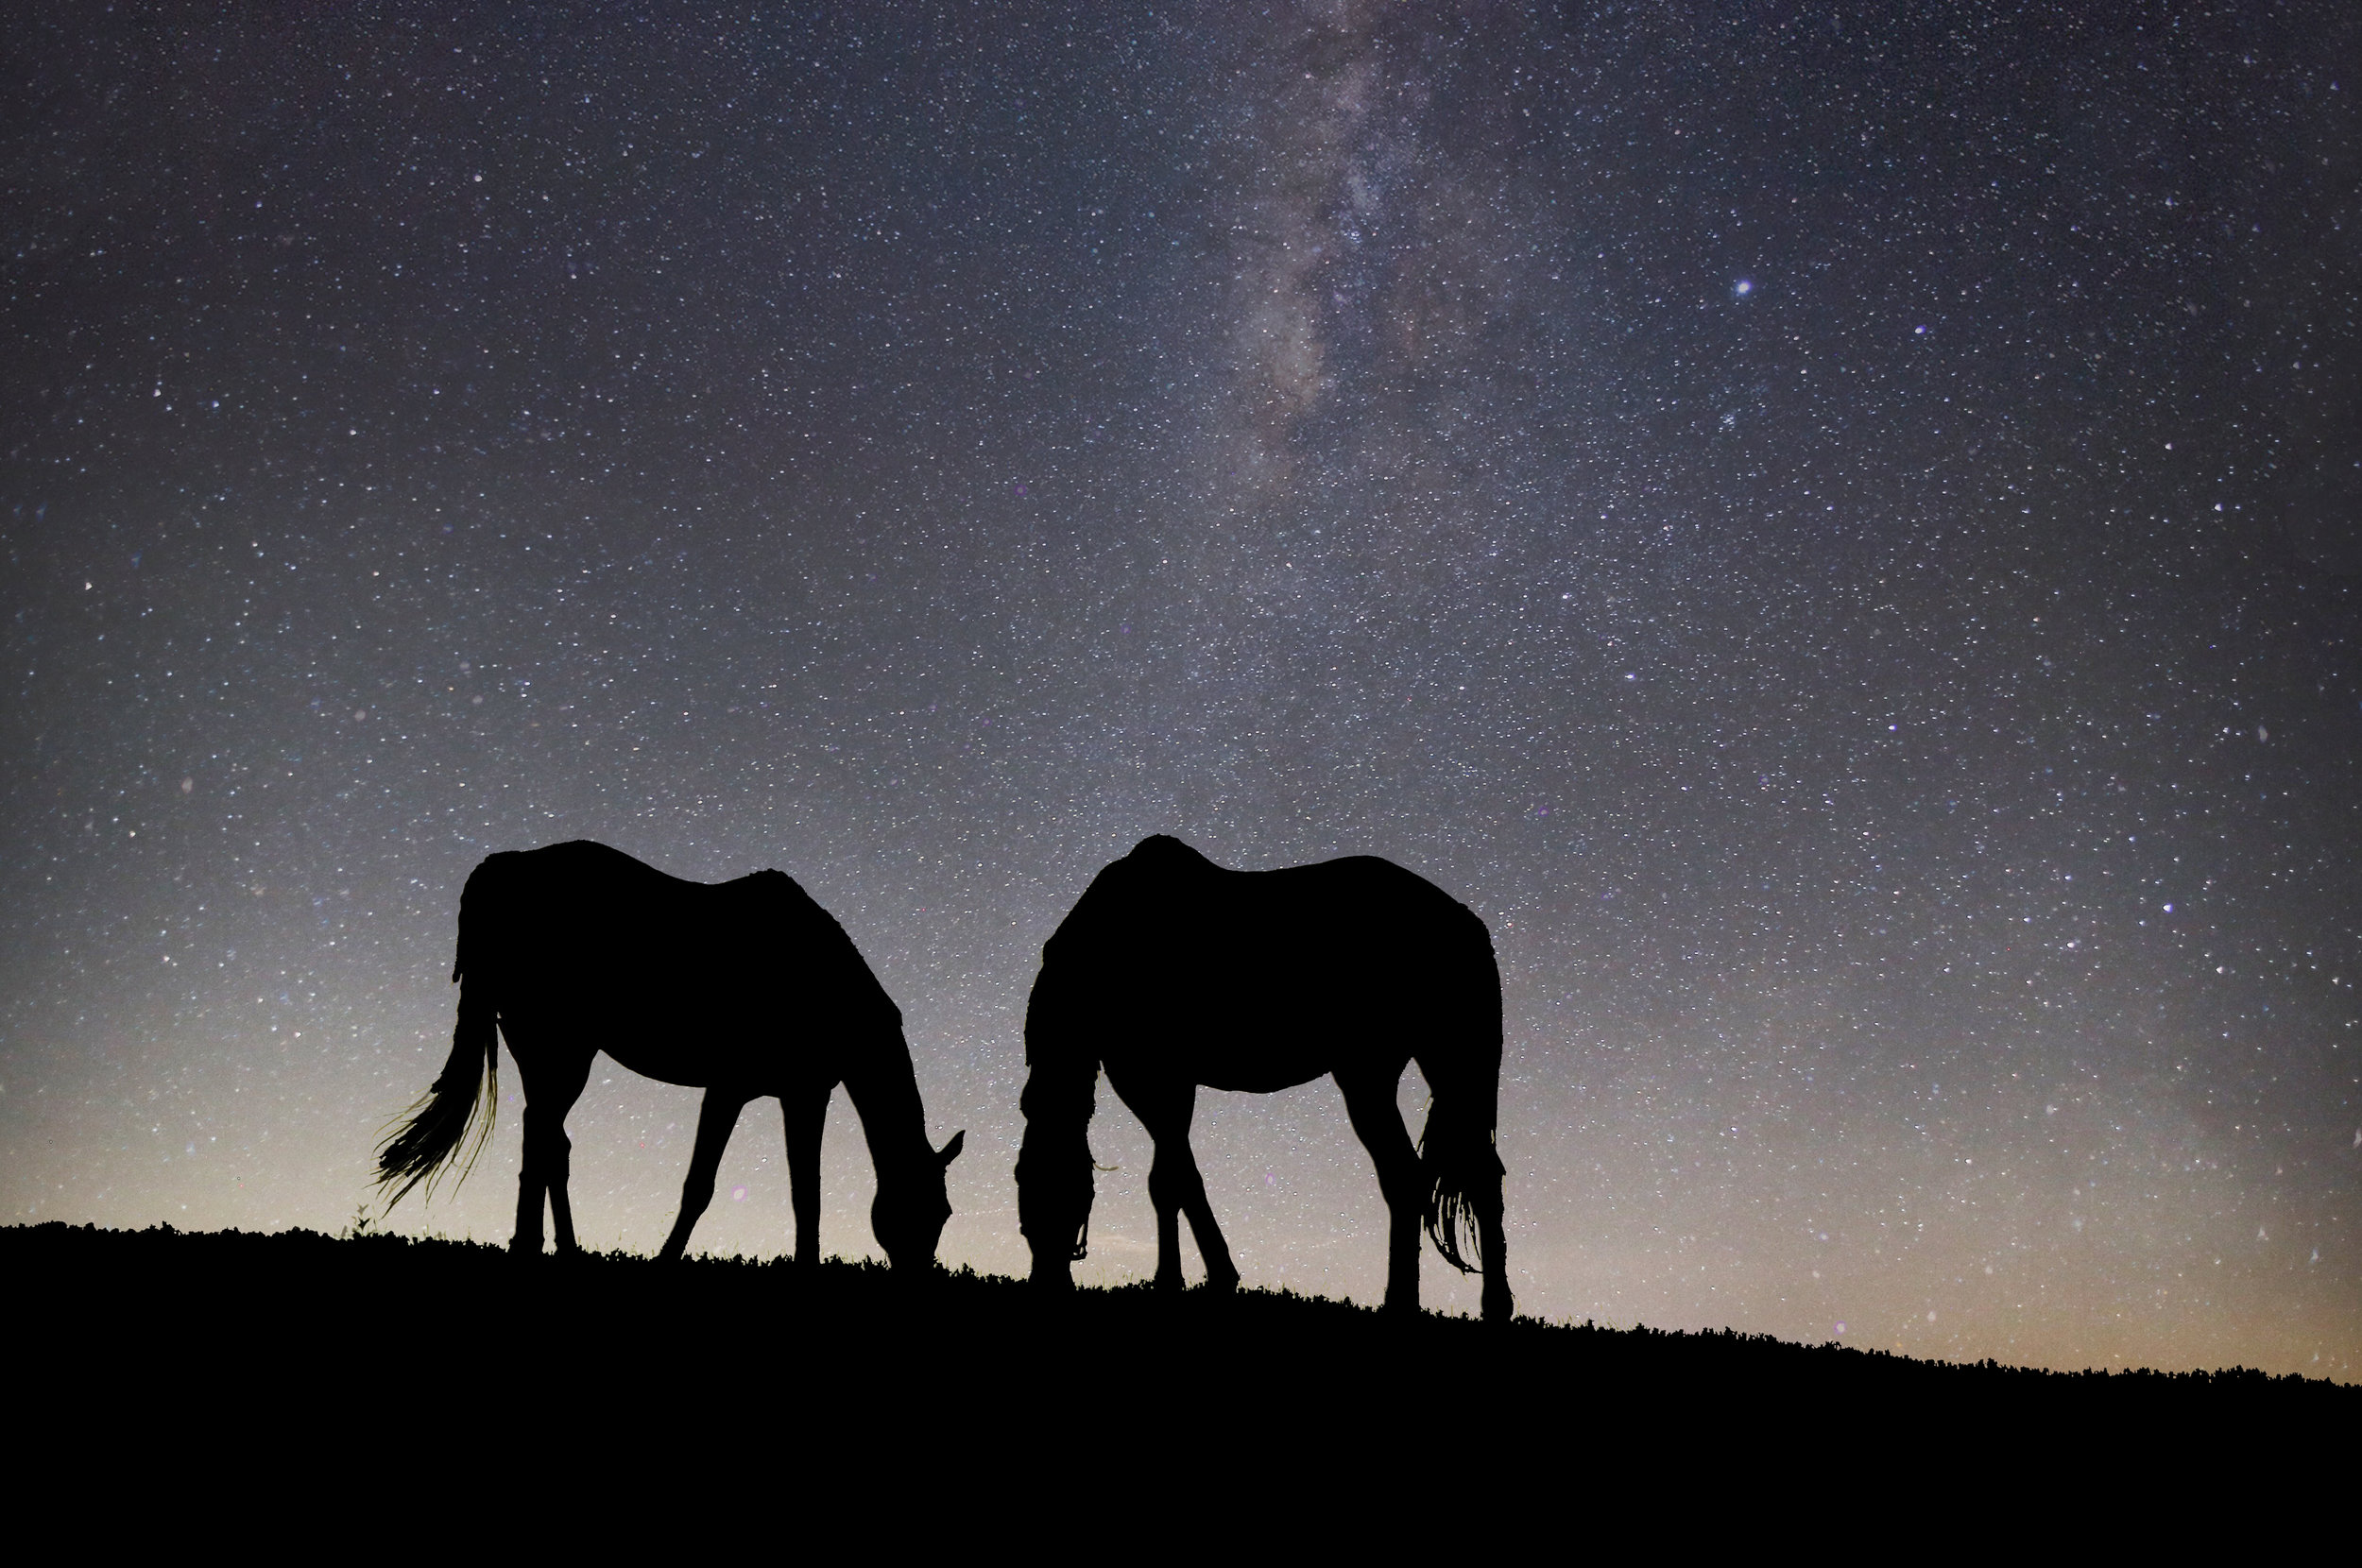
{"x": 1054, "y": 1202}
{"x": 910, "y": 1210}
{"x": 1054, "y": 1162}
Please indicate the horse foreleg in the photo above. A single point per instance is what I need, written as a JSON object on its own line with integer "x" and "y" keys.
{"x": 806, "y": 1113}
{"x": 1174, "y": 1186}
{"x": 1370, "y": 1103}
{"x": 715, "y": 1119}
{"x": 1175, "y": 1183}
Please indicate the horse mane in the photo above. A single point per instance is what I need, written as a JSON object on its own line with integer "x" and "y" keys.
{"x": 1164, "y": 851}
{"x": 812, "y": 920}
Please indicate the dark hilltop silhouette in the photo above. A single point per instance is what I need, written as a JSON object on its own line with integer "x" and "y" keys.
{"x": 1172, "y": 972}
{"x": 743, "y": 989}
{"x": 354, "y": 1377}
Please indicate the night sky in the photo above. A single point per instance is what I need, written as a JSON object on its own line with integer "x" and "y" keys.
{"x": 1832, "y": 528}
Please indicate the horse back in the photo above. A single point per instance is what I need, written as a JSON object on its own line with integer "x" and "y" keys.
{"x": 584, "y": 935}
{"x": 1359, "y": 944}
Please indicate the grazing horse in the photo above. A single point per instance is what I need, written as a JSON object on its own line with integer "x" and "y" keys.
{"x": 743, "y": 989}
{"x": 1172, "y": 972}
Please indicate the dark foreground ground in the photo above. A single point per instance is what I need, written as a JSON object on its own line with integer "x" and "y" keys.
{"x": 381, "y": 1362}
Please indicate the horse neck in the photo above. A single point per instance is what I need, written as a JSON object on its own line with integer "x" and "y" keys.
{"x": 884, "y": 1091}
{"x": 1060, "y": 1094}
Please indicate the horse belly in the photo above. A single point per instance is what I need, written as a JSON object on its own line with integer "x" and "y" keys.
{"x": 689, "y": 1063}
{"x": 1254, "y": 1028}
{"x": 1260, "y": 1065}
{"x": 678, "y": 1041}
{"x": 1260, "y": 1080}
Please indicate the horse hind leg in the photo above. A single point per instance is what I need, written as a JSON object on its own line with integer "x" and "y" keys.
{"x": 1222, "y": 1275}
{"x": 1370, "y": 1103}
{"x": 1465, "y": 1145}
{"x": 532, "y": 1188}
{"x": 1164, "y": 1193}
{"x": 716, "y": 1118}
{"x": 806, "y": 1113}
{"x": 561, "y": 1202}
{"x": 1500, "y": 1305}
{"x": 551, "y": 1087}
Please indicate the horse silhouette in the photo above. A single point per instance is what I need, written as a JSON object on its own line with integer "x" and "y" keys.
{"x": 743, "y": 989}
{"x": 1172, "y": 972}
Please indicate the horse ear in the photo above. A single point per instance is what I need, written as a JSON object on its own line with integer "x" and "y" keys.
{"x": 952, "y": 1151}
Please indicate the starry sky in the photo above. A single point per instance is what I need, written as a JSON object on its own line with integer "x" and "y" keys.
{"x": 1833, "y": 528}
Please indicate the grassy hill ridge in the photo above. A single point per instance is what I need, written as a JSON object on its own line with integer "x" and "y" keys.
{"x": 608, "y": 1391}
{"x": 290, "y": 1287}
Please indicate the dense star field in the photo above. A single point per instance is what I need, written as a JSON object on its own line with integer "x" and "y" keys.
{"x": 1832, "y": 528}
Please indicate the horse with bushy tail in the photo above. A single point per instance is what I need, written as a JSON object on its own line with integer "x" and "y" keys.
{"x": 745, "y": 989}
{"x": 1171, "y": 973}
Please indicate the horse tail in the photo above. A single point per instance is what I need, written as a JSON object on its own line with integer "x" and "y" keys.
{"x": 1054, "y": 1182}
{"x": 431, "y": 1135}
{"x": 1457, "y": 1154}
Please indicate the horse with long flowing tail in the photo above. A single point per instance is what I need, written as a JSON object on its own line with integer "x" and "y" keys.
{"x": 1172, "y": 972}
{"x": 745, "y": 989}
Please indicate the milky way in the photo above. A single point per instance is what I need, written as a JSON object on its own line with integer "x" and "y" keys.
{"x": 1833, "y": 530}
